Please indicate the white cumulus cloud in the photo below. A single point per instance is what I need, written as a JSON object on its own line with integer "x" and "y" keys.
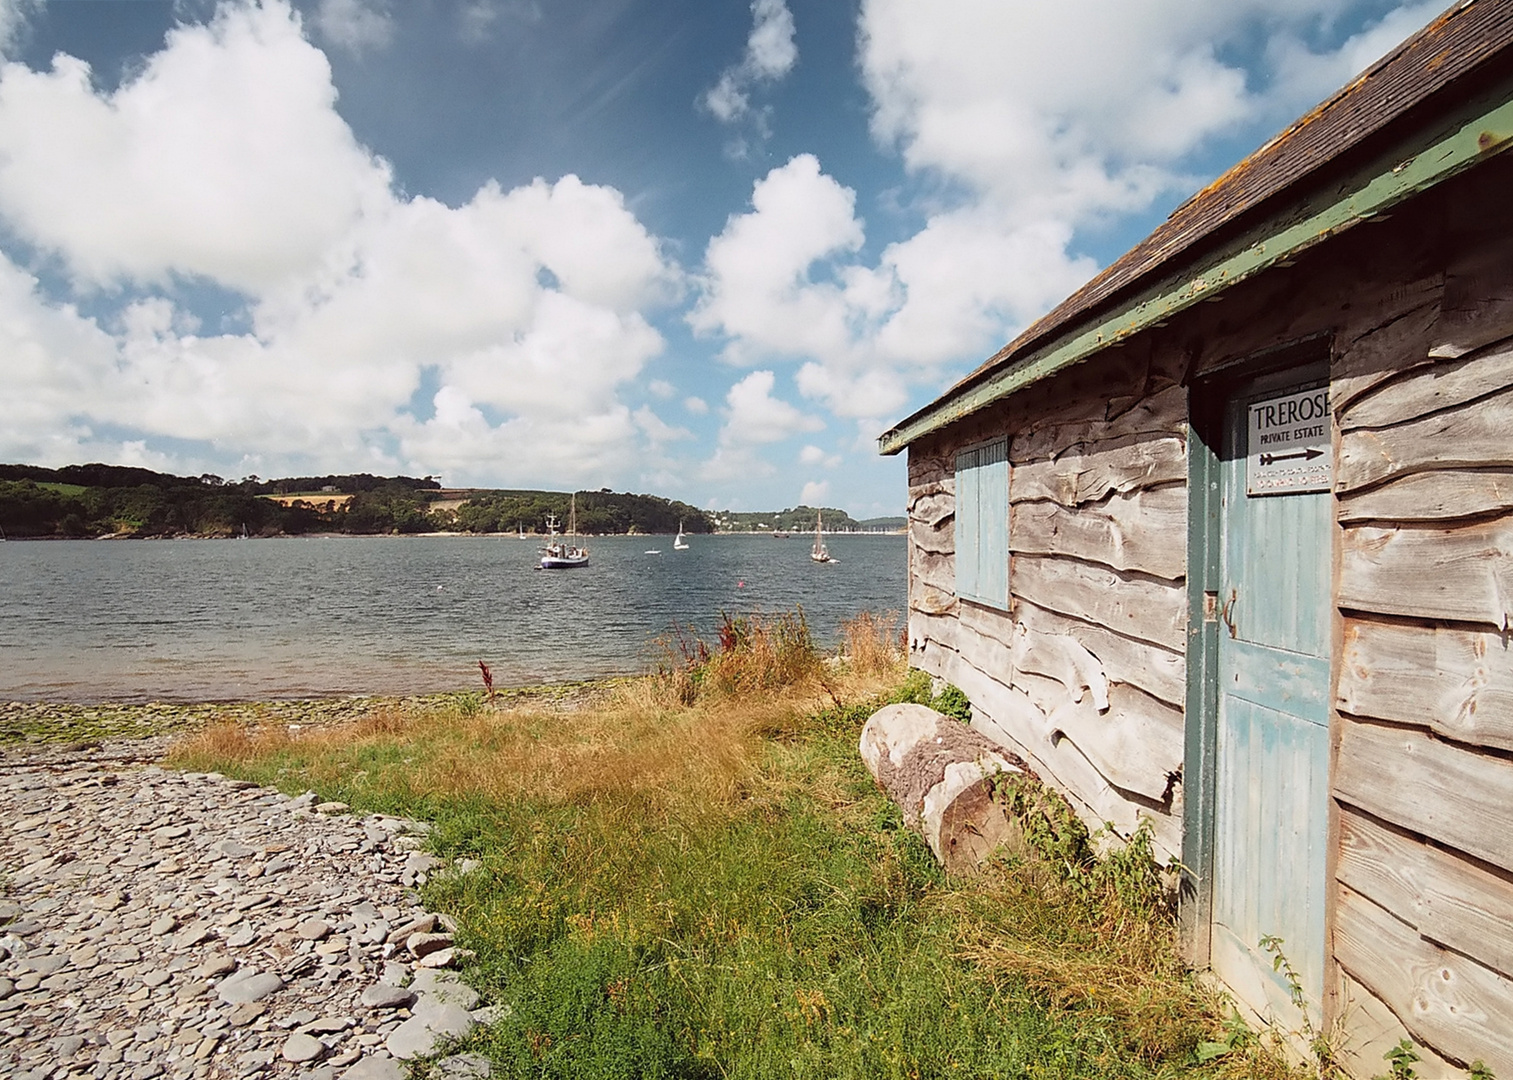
{"x": 1025, "y": 125}
{"x": 770, "y": 54}
{"x": 815, "y": 492}
{"x": 758, "y": 289}
{"x": 526, "y": 307}
{"x": 754, "y": 416}
{"x": 13, "y": 21}
{"x": 188, "y": 168}
{"x": 783, "y": 281}
{"x": 813, "y": 455}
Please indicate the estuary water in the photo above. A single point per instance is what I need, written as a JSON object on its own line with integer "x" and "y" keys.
{"x": 221, "y": 620}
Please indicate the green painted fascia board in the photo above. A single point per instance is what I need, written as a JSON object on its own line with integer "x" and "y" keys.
{"x": 1466, "y": 137}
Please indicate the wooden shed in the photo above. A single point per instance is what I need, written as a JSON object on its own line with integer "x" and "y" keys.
{"x": 1225, "y": 543}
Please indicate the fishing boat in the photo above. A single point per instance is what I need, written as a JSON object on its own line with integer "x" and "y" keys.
{"x": 560, "y": 553}
{"x": 678, "y": 543}
{"x": 819, "y": 553}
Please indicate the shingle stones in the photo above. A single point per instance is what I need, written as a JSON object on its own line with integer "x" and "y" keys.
{"x": 178, "y": 925}
{"x": 247, "y": 986}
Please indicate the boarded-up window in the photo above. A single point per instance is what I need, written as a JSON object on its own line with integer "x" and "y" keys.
{"x": 982, "y": 524}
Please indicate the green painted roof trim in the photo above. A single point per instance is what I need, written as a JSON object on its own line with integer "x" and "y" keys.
{"x": 1472, "y": 134}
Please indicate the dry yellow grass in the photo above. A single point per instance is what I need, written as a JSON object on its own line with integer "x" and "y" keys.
{"x": 1120, "y": 964}
{"x": 754, "y": 655}
{"x": 683, "y": 740}
{"x": 633, "y": 747}
{"x": 874, "y": 643}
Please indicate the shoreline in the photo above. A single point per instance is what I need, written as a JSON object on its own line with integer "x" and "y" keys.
{"x": 440, "y": 535}
{"x": 73, "y": 722}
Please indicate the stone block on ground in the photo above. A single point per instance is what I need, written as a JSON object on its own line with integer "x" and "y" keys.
{"x": 444, "y": 986}
{"x": 248, "y": 986}
{"x": 419, "y": 1035}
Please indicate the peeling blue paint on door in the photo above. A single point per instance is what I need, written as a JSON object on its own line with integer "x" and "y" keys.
{"x": 1271, "y": 798}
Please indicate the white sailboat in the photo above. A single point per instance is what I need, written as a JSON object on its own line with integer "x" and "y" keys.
{"x": 559, "y": 554}
{"x": 678, "y": 543}
{"x": 820, "y": 553}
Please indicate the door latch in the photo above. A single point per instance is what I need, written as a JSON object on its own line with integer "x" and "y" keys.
{"x": 1226, "y": 612}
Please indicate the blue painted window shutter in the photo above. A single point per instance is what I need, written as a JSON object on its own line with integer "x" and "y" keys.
{"x": 982, "y": 524}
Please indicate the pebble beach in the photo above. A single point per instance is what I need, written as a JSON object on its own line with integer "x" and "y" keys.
{"x": 156, "y": 923}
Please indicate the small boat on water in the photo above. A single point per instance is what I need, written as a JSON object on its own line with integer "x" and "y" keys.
{"x": 820, "y": 553}
{"x": 780, "y": 536}
{"x": 560, "y": 553}
{"x": 678, "y": 543}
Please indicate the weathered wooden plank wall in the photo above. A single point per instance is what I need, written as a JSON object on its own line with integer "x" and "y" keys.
{"x": 1084, "y": 675}
{"x": 1424, "y": 772}
{"x": 1422, "y": 392}
{"x": 932, "y": 544}
{"x": 1422, "y": 388}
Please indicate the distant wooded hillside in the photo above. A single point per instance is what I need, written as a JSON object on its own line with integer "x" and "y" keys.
{"x": 798, "y": 519}
{"x": 599, "y": 512}
{"x": 111, "y": 500}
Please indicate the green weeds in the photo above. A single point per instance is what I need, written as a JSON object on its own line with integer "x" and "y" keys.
{"x": 952, "y": 702}
{"x": 1317, "y": 1041}
{"x": 1402, "y": 1058}
{"x": 1400, "y": 1061}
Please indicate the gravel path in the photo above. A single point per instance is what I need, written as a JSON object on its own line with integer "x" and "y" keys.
{"x": 164, "y": 924}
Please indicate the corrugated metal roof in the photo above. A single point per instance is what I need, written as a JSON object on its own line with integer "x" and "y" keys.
{"x": 1458, "y": 43}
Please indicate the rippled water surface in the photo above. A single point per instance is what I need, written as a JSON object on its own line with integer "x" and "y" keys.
{"x": 225, "y": 619}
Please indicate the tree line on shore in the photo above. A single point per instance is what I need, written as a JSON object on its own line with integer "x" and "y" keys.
{"x": 801, "y": 518}
{"x": 96, "y": 500}
{"x": 599, "y": 513}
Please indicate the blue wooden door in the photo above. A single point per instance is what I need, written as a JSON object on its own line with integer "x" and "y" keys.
{"x": 1271, "y": 796}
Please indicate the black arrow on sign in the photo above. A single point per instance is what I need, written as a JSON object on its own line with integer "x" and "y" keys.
{"x": 1308, "y": 455}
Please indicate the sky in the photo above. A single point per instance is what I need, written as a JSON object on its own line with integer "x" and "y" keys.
{"x": 707, "y": 249}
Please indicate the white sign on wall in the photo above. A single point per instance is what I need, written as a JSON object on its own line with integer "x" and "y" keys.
{"x": 1289, "y": 449}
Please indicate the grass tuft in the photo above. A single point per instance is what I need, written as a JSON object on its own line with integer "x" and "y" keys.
{"x": 874, "y": 645}
{"x": 752, "y": 656}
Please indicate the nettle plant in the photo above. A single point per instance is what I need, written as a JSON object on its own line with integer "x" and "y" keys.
{"x": 1402, "y": 1057}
